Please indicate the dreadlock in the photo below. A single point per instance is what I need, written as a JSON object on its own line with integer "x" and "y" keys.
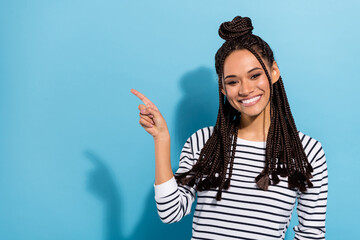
{"x": 284, "y": 156}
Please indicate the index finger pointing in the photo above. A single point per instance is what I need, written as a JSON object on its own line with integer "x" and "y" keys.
{"x": 141, "y": 97}
{"x": 144, "y": 99}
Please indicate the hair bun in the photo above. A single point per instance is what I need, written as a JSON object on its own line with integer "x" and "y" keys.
{"x": 239, "y": 26}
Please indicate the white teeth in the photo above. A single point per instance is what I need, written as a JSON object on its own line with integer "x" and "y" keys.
{"x": 251, "y": 100}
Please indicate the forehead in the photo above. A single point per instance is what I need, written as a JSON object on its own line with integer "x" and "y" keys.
{"x": 240, "y": 62}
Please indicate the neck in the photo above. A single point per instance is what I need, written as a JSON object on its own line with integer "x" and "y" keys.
{"x": 255, "y": 128}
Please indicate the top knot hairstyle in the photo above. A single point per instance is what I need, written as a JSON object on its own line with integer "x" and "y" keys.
{"x": 238, "y": 27}
{"x": 284, "y": 156}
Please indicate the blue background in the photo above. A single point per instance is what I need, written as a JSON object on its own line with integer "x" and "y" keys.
{"x": 75, "y": 163}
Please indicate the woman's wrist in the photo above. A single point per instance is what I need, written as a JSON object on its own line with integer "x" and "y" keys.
{"x": 164, "y": 137}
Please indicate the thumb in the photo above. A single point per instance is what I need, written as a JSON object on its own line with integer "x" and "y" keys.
{"x": 155, "y": 113}
{"x": 142, "y": 108}
{"x": 152, "y": 111}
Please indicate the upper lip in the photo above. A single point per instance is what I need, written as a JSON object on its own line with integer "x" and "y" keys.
{"x": 249, "y": 97}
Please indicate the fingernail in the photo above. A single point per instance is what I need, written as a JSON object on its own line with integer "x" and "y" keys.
{"x": 142, "y": 111}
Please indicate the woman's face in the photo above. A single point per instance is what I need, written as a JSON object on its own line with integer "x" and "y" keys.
{"x": 245, "y": 83}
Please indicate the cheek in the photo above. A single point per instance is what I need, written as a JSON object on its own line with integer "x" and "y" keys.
{"x": 232, "y": 92}
{"x": 263, "y": 84}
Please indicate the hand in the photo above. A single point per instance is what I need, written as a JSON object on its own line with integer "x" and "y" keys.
{"x": 150, "y": 117}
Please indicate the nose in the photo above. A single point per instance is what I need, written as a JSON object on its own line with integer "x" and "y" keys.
{"x": 245, "y": 89}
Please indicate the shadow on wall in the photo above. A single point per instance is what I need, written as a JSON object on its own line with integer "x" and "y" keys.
{"x": 101, "y": 183}
{"x": 196, "y": 109}
{"x": 198, "y": 106}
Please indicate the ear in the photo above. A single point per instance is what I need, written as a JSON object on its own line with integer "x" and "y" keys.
{"x": 275, "y": 72}
{"x": 222, "y": 89}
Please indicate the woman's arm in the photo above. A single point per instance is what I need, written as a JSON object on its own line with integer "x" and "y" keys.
{"x": 154, "y": 123}
{"x": 174, "y": 201}
{"x": 163, "y": 171}
{"x": 311, "y": 207}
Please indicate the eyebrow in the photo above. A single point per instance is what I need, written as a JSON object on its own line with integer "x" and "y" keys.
{"x": 256, "y": 68}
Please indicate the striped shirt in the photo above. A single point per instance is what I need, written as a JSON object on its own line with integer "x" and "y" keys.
{"x": 245, "y": 211}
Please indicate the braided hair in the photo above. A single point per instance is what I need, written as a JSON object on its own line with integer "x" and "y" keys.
{"x": 284, "y": 156}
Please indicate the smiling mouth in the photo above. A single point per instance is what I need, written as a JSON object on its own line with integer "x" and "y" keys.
{"x": 251, "y": 101}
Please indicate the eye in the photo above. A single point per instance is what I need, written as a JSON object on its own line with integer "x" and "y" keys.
{"x": 231, "y": 83}
{"x": 255, "y": 76}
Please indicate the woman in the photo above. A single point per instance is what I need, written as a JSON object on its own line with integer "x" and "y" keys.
{"x": 248, "y": 170}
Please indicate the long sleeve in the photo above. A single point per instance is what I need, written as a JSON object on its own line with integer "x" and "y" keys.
{"x": 312, "y": 204}
{"x": 174, "y": 201}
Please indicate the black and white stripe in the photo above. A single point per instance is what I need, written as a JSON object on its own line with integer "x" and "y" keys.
{"x": 245, "y": 211}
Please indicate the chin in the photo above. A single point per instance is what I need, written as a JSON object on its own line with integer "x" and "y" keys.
{"x": 248, "y": 112}
{"x": 251, "y": 113}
